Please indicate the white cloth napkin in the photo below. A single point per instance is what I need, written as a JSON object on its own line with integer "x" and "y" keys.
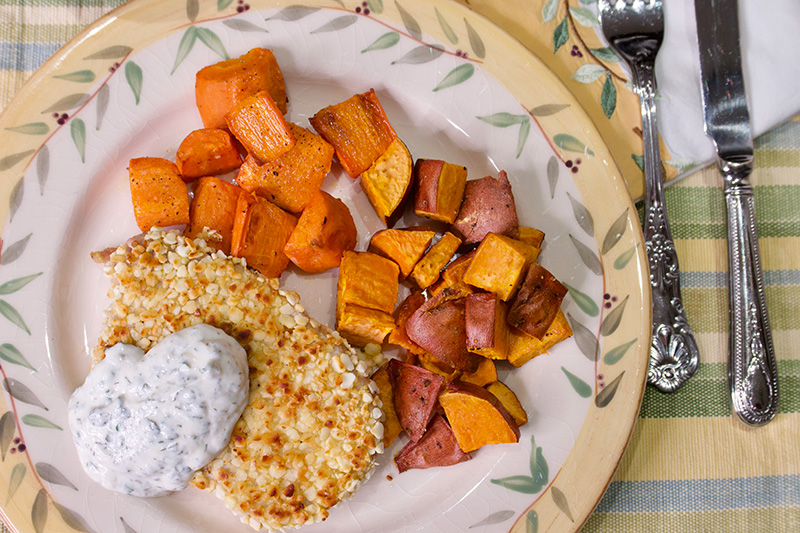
{"x": 770, "y": 35}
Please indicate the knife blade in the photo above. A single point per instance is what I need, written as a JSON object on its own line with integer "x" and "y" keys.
{"x": 752, "y": 370}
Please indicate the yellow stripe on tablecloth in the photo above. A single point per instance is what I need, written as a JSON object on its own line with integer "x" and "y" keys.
{"x": 710, "y": 448}
{"x": 713, "y": 346}
{"x": 711, "y": 255}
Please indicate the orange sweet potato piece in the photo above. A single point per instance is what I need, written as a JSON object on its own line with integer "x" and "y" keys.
{"x": 403, "y": 246}
{"x": 487, "y": 331}
{"x": 439, "y": 328}
{"x": 361, "y": 326}
{"x": 221, "y": 86}
{"x": 453, "y": 274}
{"x": 509, "y": 401}
{"x": 426, "y": 271}
{"x": 523, "y": 347}
{"x": 477, "y": 416}
{"x": 429, "y": 362}
{"x": 486, "y": 373}
{"x": 414, "y": 391}
{"x": 258, "y": 124}
{"x": 537, "y": 303}
{"x": 437, "y": 447}
{"x": 207, "y": 152}
{"x": 488, "y": 208}
{"x": 399, "y": 337}
{"x": 368, "y": 280}
{"x": 531, "y": 236}
{"x": 358, "y": 130}
{"x": 439, "y": 189}
{"x": 159, "y": 195}
{"x": 325, "y": 230}
{"x": 260, "y": 232}
{"x": 388, "y": 182}
{"x": 391, "y": 424}
{"x": 290, "y": 180}
{"x": 500, "y": 264}
{"x": 214, "y": 206}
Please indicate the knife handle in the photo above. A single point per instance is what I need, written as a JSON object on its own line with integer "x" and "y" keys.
{"x": 752, "y": 368}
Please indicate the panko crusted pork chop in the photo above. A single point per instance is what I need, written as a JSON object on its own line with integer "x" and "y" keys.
{"x": 313, "y": 424}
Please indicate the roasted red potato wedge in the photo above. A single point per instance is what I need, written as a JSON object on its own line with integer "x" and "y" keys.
{"x": 403, "y": 246}
{"x": 437, "y": 447}
{"x": 487, "y": 330}
{"x": 477, "y": 416}
{"x": 214, "y": 206}
{"x": 439, "y": 189}
{"x": 358, "y": 130}
{"x": 159, "y": 195}
{"x": 221, "y": 86}
{"x": 426, "y": 271}
{"x": 325, "y": 230}
{"x": 260, "y": 232}
{"x": 368, "y": 280}
{"x": 537, "y": 303}
{"x": 509, "y": 400}
{"x": 207, "y": 152}
{"x": 488, "y": 208}
{"x": 387, "y": 182}
{"x": 439, "y": 327}
{"x": 290, "y": 180}
{"x": 258, "y": 124}
{"x": 415, "y": 392}
{"x": 500, "y": 264}
{"x": 523, "y": 347}
{"x": 391, "y": 424}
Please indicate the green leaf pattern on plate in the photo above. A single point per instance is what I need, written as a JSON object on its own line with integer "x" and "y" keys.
{"x": 532, "y": 522}
{"x": 616, "y": 354}
{"x": 549, "y": 10}
{"x": 8, "y": 311}
{"x": 586, "y": 304}
{"x": 17, "y": 474}
{"x": 15, "y": 250}
{"x": 608, "y": 97}
{"x": 529, "y": 484}
{"x": 43, "y": 167}
{"x": 560, "y": 35}
{"x": 37, "y": 421}
{"x": 581, "y": 387}
{"x": 22, "y": 393}
{"x": 339, "y": 23}
{"x": 615, "y": 232}
{"x": 8, "y": 426}
{"x": 9, "y": 353}
{"x": 460, "y": 74}
{"x": 77, "y": 130}
{"x": 39, "y": 511}
{"x": 32, "y": 128}
{"x": 387, "y": 40}
{"x": 561, "y": 502}
{"x": 475, "y": 41}
{"x": 134, "y": 76}
{"x": 448, "y": 31}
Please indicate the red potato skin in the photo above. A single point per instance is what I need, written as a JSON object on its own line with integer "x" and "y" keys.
{"x": 537, "y": 302}
{"x": 480, "y": 314}
{"x": 488, "y": 208}
{"x": 414, "y": 390}
{"x": 438, "y": 447}
{"x": 439, "y": 327}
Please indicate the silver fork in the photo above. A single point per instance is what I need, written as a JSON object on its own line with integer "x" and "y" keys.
{"x": 635, "y": 29}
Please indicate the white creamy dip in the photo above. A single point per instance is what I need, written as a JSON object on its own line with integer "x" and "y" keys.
{"x": 143, "y": 424}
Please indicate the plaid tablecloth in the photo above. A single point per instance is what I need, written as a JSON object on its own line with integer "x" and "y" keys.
{"x": 689, "y": 466}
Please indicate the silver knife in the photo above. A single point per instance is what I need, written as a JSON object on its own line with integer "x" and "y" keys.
{"x": 752, "y": 371}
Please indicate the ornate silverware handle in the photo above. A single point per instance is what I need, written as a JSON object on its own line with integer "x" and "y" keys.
{"x": 674, "y": 357}
{"x": 753, "y": 371}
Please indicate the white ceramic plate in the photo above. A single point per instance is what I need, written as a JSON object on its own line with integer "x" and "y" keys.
{"x": 455, "y": 88}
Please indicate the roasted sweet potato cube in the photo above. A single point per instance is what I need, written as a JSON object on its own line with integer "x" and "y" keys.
{"x": 361, "y": 326}
{"x": 486, "y": 373}
{"x": 523, "y": 347}
{"x": 488, "y": 208}
{"x": 439, "y": 189}
{"x": 500, "y": 264}
{"x": 159, "y": 195}
{"x": 531, "y": 236}
{"x": 399, "y": 337}
{"x": 214, "y": 206}
{"x": 368, "y": 280}
{"x": 487, "y": 330}
{"x": 429, "y": 362}
{"x": 415, "y": 392}
{"x": 403, "y": 246}
{"x": 221, "y": 86}
{"x": 260, "y": 232}
{"x": 387, "y": 182}
{"x": 427, "y": 270}
{"x": 325, "y": 230}
{"x": 509, "y": 401}
{"x": 258, "y": 124}
{"x": 439, "y": 328}
{"x": 358, "y": 130}
{"x": 290, "y": 180}
{"x": 437, "y": 447}
{"x": 453, "y": 273}
{"x": 207, "y": 152}
{"x": 391, "y": 424}
{"x": 537, "y": 303}
{"x": 477, "y": 416}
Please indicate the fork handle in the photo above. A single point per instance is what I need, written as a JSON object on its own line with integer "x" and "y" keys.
{"x": 674, "y": 356}
{"x": 752, "y": 368}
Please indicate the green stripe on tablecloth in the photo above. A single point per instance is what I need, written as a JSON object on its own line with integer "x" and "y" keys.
{"x": 706, "y": 394}
{"x": 773, "y": 519}
{"x": 777, "y": 158}
{"x": 703, "y": 307}
{"x": 43, "y": 33}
